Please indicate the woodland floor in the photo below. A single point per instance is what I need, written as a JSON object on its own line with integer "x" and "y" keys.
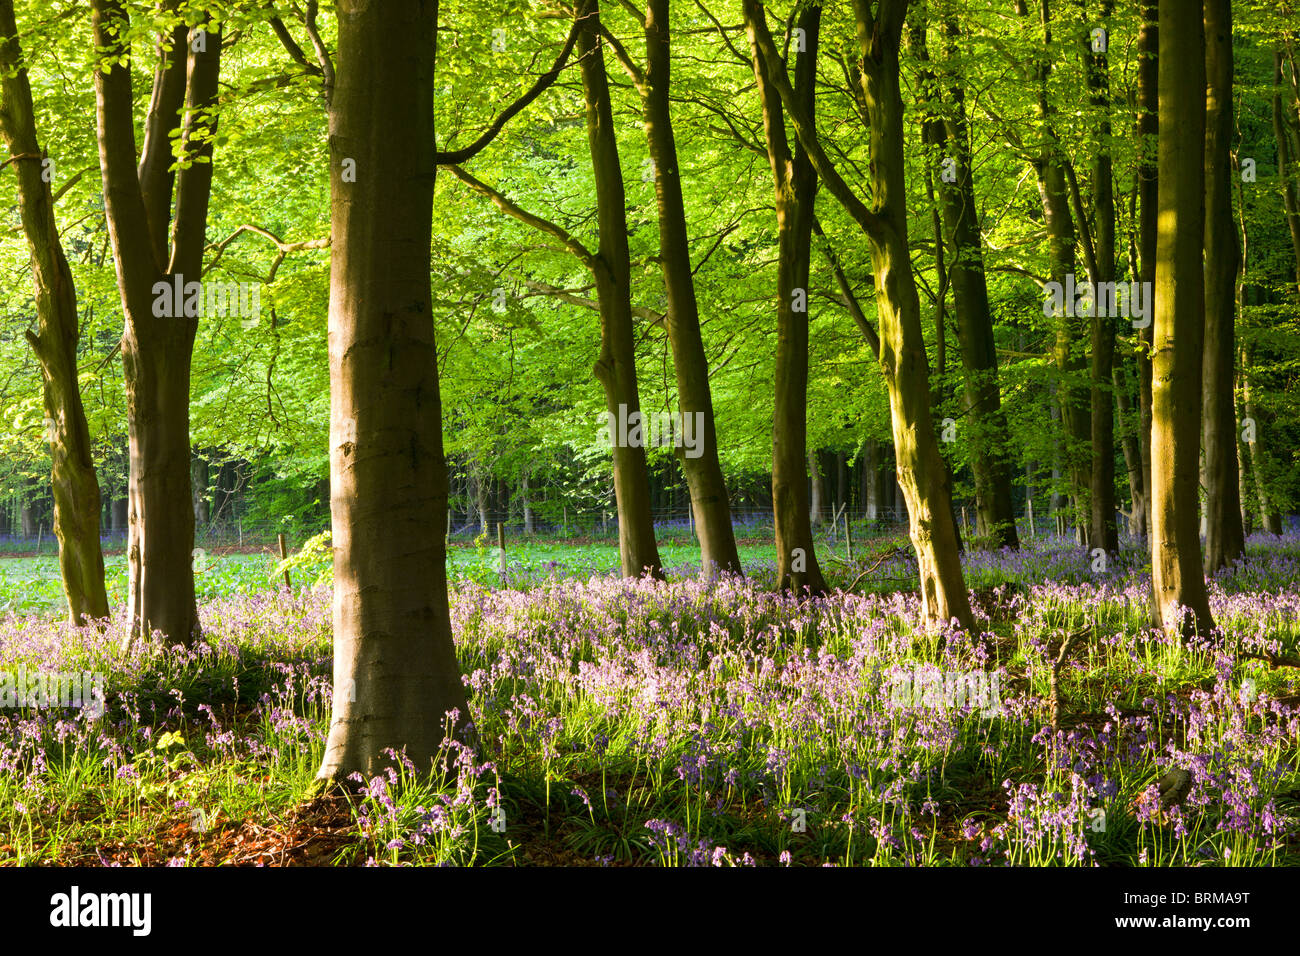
{"x": 628, "y": 723}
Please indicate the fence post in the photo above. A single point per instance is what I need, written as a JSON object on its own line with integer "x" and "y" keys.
{"x": 284, "y": 556}
{"x": 848, "y": 536}
{"x": 501, "y": 549}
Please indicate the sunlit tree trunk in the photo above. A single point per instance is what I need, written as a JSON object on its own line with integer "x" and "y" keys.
{"x": 157, "y": 350}
{"x": 1287, "y": 163}
{"x": 903, "y": 360}
{"x": 817, "y": 494}
{"x": 395, "y": 671}
{"x": 75, "y": 486}
{"x": 616, "y": 367}
{"x": 1130, "y": 442}
{"x": 1072, "y": 392}
{"x": 529, "y": 524}
{"x": 1270, "y": 518}
{"x": 199, "y": 479}
{"x": 1103, "y": 532}
{"x": 796, "y": 188}
{"x": 987, "y": 426}
{"x": 872, "y": 490}
{"x": 1148, "y": 179}
{"x": 1178, "y": 579}
{"x": 702, "y": 468}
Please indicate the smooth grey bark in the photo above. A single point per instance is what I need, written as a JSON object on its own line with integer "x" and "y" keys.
{"x": 1178, "y": 580}
{"x": 396, "y": 677}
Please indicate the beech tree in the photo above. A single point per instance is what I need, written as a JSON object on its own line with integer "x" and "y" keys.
{"x": 757, "y": 185}
{"x": 796, "y": 189}
{"x": 903, "y": 360}
{"x": 1178, "y": 579}
{"x": 950, "y": 138}
{"x": 610, "y": 268}
{"x": 75, "y": 486}
{"x": 157, "y": 348}
{"x": 1147, "y": 188}
{"x": 1052, "y": 168}
{"x": 396, "y": 679}
{"x": 1099, "y": 247}
{"x": 703, "y": 472}
{"x": 1225, "y": 539}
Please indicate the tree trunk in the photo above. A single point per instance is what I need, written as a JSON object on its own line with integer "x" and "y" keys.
{"x": 1244, "y": 483}
{"x": 1225, "y": 539}
{"x": 1072, "y": 393}
{"x": 395, "y": 671}
{"x": 986, "y": 427}
{"x": 121, "y": 514}
{"x": 1287, "y": 163}
{"x": 694, "y": 398}
{"x": 467, "y": 486}
{"x": 1103, "y": 532}
{"x": 1177, "y": 575}
{"x": 481, "y": 497}
{"x": 1132, "y": 452}
{"x": 27, "y": 516}
{"x": 903, "y": 359}
{"x": 616, "y": 367}
{"x": 841, "y": 487}
{"x": 1270, "y": 518}
{"x": 530, "y": 526}
{"x": 156, "y": 349}
{"x": 889, "y": 485}
{"x": 817, "y": 485}
{"x": 73, "y": 481}
{"x": 199, "y": 482}
{"x": 1148, "y": 179}
{"x": 937, "y": 397}
{"x": 1060, "y": 502}
{"x": 871, "y": 486}
{"x": 796, "y": 188}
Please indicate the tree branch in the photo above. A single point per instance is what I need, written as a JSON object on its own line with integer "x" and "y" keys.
{"x": 322, "y": 54}
{"x": 1085, "y": 229}
{"x": 155, "y": 174}
{"x": 546, "y": 79}
{"x": 194, "y": 180}
{"x": 128, "y": 222}
{"x": 634, "y": 72}
{"x": 537, "y": 222}
{"x": 803, "y": 125}
{"x": 848, "y": 300}
{"x": 282, "y": 248}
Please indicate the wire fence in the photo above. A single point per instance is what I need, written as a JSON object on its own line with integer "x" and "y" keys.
{"x": 578, "y": 523}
